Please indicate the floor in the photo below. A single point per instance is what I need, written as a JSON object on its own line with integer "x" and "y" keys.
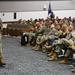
{"x": 23, "y": 60}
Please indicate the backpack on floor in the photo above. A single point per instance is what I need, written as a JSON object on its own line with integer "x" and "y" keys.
{"x": 24, "y": 39}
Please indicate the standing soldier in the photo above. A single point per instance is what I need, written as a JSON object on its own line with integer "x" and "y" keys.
{"x": 1, "y": 59}
{"x": 0, "y": 23}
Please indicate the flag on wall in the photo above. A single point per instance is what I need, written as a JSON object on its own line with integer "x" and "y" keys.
{"x": 49, "y": 9}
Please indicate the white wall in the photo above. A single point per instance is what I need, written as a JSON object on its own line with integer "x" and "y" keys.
{"x": 65, "y": 13}
{"x": 9, "y": 16}
{"x": 15, "y": 6}
{"x": 44, "y": 14}
{"x": 34, "y": 15}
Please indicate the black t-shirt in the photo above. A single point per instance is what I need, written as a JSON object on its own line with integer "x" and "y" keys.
{"x": 63, "y": 35}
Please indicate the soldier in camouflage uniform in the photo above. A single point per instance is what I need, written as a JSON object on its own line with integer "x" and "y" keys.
{"x": 72, "y": 51}
{"x": 69, "y": 51}
{"x": 32, "y": 33}
{"x": 0, "y": 23}
{"x": 37, "y": 30}
{"x": 39, "y": 33}
{"x": 41, "y": 37}
{"x": 52, "y": 33}
{"x": 63, "y": 43}
{"x": 62, "y": 35}
{"x": 1, "y": 59}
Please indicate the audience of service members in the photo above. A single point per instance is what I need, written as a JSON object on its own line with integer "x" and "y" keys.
{"x": 56, "y": 36}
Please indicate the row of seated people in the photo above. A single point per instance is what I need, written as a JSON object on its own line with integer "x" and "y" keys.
{"x": 20, "y": 25}
{"x": 25, "y": 25}
{"x": 53, "y": 36}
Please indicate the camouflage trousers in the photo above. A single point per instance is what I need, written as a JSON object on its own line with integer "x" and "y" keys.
{"x": 62, "y": 44}
{"x": 44, "y": 38}
{"x": 68, "y": 53}
{"x": 30, "y": 35}
{"x": 40, "y": 38}
{"x": 0, "y": 50}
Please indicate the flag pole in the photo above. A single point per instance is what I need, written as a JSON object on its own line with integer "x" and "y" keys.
{"x": 49, "y": 1}
{"x": 49, "y": 9}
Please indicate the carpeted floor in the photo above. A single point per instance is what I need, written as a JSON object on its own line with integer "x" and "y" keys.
{"x": 22, "y": 60}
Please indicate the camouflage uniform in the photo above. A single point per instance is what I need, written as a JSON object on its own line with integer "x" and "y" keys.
{"x": 69, "y": 53}
{"x": 64, "y": 42}
{"x": 0, "y": 23}
{"x": 1, "y": 59}
{"x": 33, "y": 34}
{"x": 47, "y": 36}
{"x": 53, "y": 33}
{"x": 0, "y": 39}
{"x": 0, "y": 46}
{"x": 43, "y": 36}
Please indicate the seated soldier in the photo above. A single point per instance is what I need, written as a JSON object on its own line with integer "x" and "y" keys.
{"x": 40, "y": 37}
{"x": 52, "y": 33}
{"x": 37, "y": 31}
{"x": 69, "y": 52}
{"x": 63, "y": 35}
{"x": 32, "y": 34}
{"x": 62, "y": 43}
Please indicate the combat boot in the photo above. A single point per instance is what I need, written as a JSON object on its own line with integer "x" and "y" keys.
{"x": 28, "y": 44}
{"x": 50, "y": 54}
{"x": 65, "y": 61}
{"x": 38, "y": 48}
{"x": 34, "y": 47}
{"x": 54, "y": 57}
{"x": 48, "y": 47}
{"x": 44, "y": 50}
{"x": 2, "y": 62}
{"x": 73, "y": 70}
